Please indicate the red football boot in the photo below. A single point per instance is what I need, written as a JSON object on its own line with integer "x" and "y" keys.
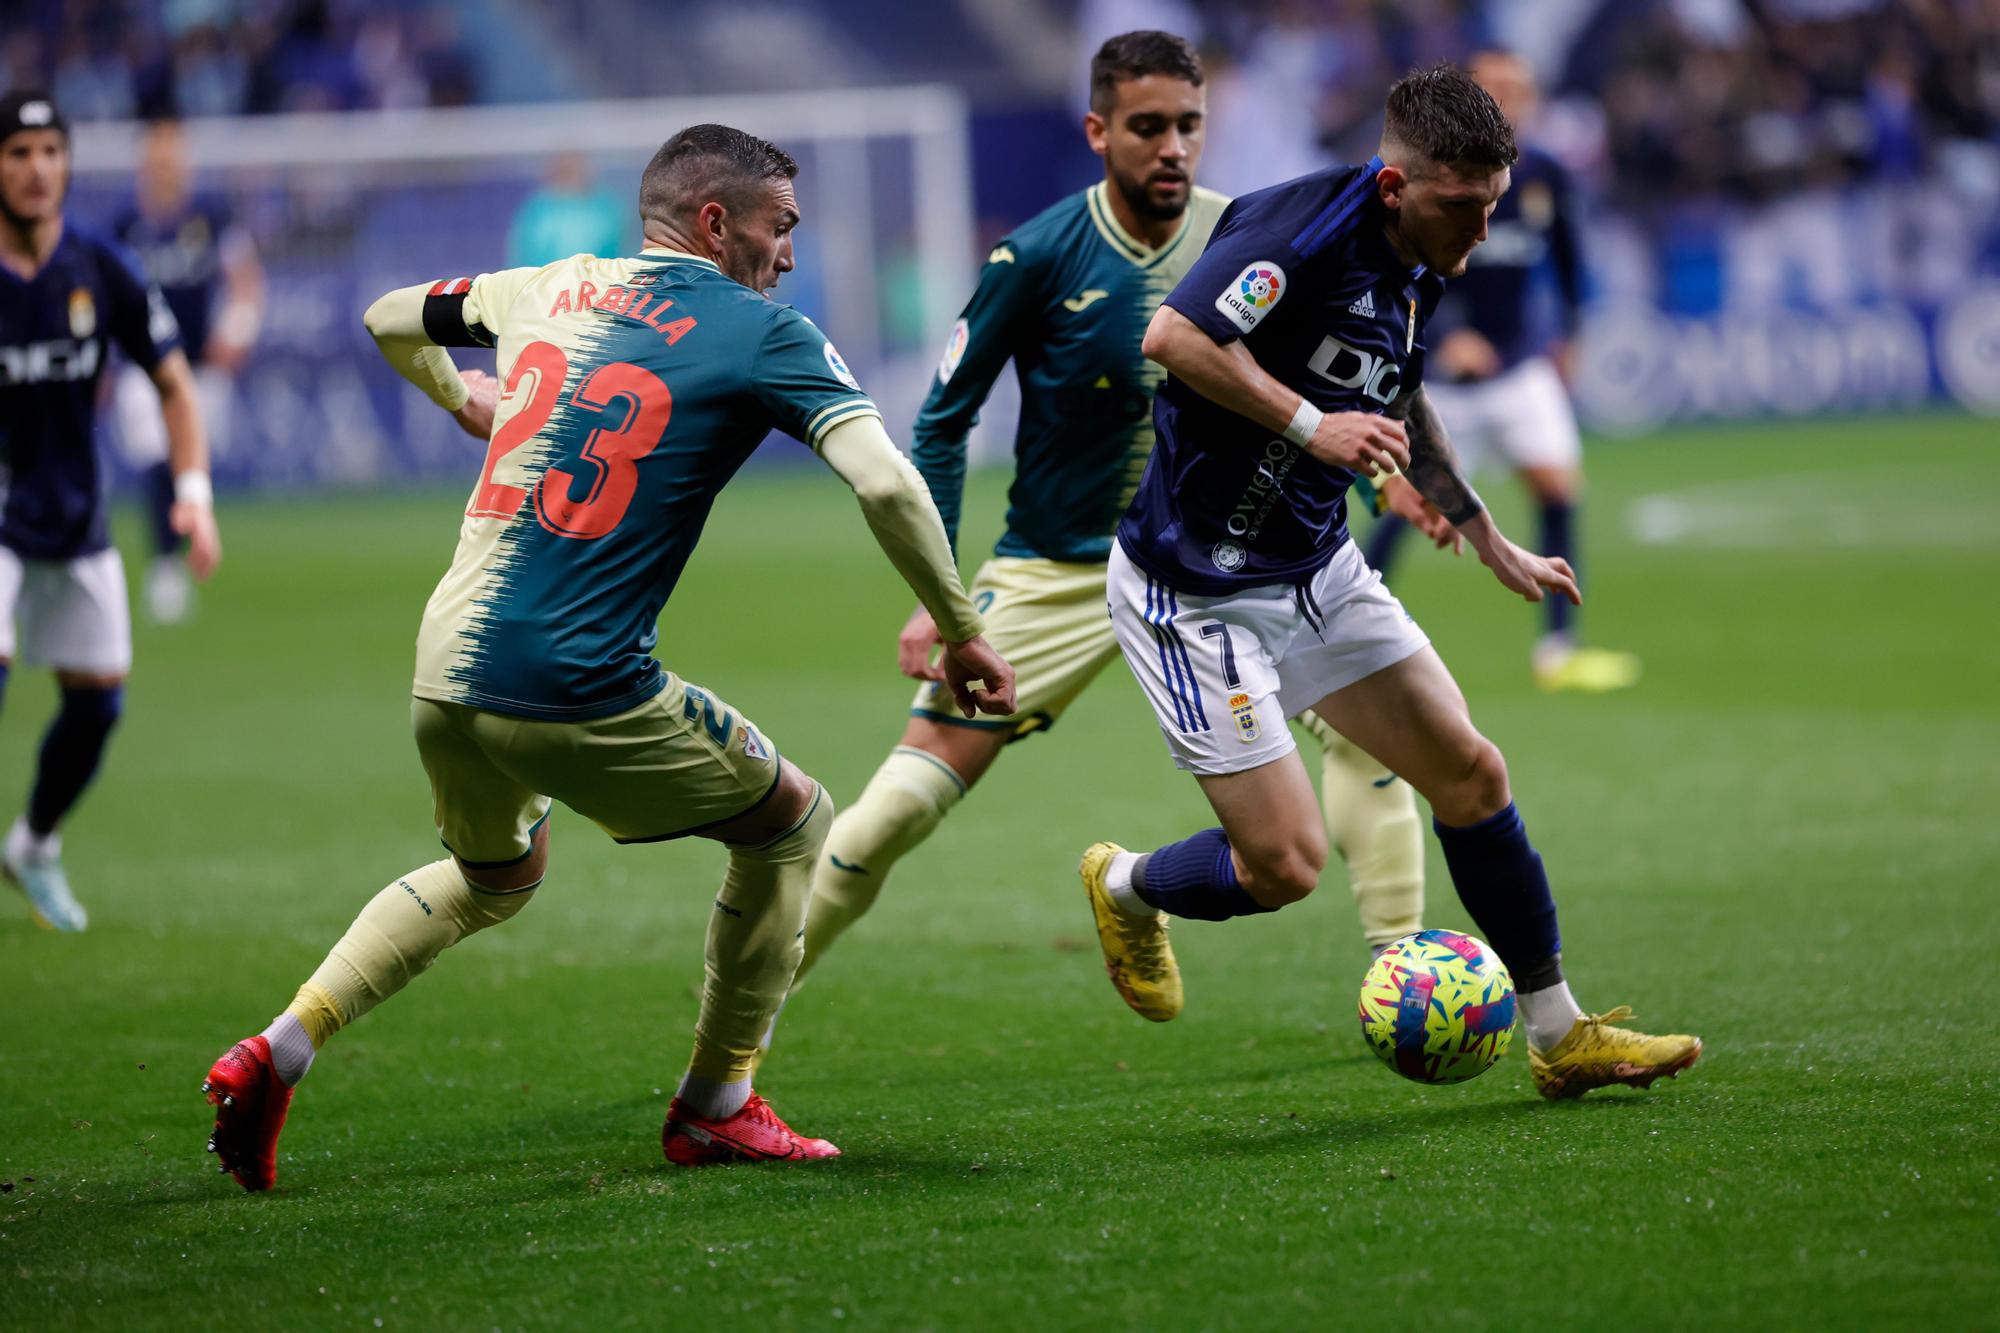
{"x": 250, "y": 1104}
{"x": 753, "y": 1134}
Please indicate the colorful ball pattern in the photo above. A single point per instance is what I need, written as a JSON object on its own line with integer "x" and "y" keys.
{"x": 1438, "y": 1007}
{"x": 1260, "y": 287}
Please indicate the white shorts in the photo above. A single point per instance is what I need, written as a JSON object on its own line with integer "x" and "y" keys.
{"x": 71, "y": 614}
{"x": 1518, "y": 419}
{"x": 1223, "y": 673}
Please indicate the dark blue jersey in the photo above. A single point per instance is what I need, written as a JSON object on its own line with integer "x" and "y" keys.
{"x": 54, "y": 332}
{"x": 1304, "y": 275}
{"x": 182, "y": 254}
{"x": 1531, "y": 240}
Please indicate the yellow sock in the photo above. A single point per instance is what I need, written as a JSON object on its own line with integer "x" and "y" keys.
{"x": 902, "y": 803}
{"x": 1371, "y": 819}
{"x": 755, "y": 938}
{"x": 399, "y": 933}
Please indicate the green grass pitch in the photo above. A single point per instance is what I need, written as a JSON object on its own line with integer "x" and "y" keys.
{"x": 1784, "y": 840}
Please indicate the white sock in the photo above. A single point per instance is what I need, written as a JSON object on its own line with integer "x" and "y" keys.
{"x": 291, "y": 1049}
{"x": 711, "y": 1100}
{"x": 24, "y": 844}
{"x": 1548, "y": 1014}
{"x": 1118, "y": 883}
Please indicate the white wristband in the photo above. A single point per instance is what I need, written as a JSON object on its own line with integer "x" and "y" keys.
{"x": 1304, "y": 422}
{"x": 194, "y": 488}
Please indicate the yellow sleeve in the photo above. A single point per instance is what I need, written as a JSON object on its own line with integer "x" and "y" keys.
{"x": 413, "y": 325}
{"x": 899, "y": 511}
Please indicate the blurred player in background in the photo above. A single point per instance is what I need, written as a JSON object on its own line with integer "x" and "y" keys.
{"x": 66, "y": 296}
{"x": 635, "y": 388}
{"x": 1496, "y": 374}
{"x": 1066, "y": 297}
{"x": 206, "y": 267}
{"x": 568, "y": 215}
{"x": 1292, "y": 346}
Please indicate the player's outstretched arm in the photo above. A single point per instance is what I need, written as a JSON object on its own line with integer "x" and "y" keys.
{"x": 396, "y": 322}
{"x": 906, "y": 525}
{"x": 1435, "y": 471}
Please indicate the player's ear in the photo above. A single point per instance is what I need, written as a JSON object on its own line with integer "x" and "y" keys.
{"x": 712, "y": 223}
{"x": 1096, "y": 132}
{"x": 1390, "y": 182}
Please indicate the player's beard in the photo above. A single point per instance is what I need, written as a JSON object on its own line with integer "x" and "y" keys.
{"x": 1141, "y": 199}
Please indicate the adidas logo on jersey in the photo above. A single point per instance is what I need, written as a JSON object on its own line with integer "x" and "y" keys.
{"x": 1365, "y": 307}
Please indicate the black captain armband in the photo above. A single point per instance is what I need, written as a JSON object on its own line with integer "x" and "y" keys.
{"x": 444, "y": 316}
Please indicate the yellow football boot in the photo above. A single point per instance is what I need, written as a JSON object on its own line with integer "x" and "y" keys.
{"x": 1586, "y": 670}
{"x": 1137, "y": 956}
{"x": 1596, "y": 1055}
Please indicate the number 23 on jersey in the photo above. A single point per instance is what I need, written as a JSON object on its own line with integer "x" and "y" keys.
{"x": 632, "y": 405}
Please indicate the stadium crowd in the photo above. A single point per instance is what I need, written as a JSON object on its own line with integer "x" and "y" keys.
{"x": 119, "y": 59}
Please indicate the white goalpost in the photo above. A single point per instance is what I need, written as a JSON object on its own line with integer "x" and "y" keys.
{"x": 344, "y": 205}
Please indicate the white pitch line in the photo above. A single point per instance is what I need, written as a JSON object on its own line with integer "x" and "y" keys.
{"x": 1812, "y": 510}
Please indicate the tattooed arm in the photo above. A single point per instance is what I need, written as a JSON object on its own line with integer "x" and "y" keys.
{"x": 1434, "y": 471}
{"x": 1434, "y": 468}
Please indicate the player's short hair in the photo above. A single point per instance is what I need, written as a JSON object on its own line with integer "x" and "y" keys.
{"x": 1439, "y": 115}
{"x": 1134, "y": 55}
{"x": 710, "y": 162}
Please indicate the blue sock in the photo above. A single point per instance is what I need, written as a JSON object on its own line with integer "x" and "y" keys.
{"x": 6, "y": 669}
{"x": 70, "y": 752}
{"x": 1382, "y": 539}
{"x": 1194, "y": 878}
{"x": 1559, "y": 542}
{"x": 158, "y": 483}
{"x": 1499, "y": 877}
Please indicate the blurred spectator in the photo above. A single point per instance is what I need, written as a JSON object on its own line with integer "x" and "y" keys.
{"x": 116, "y": 59}
{"x": 569, "y": 215}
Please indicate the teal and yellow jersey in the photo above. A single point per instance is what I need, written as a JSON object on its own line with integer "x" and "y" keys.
{"x": 634, "y": 389}
{"x": 1067, "y": 297}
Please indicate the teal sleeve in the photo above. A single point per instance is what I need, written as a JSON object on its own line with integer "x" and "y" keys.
{"x": 982, "y": 340}
{"x": 801, "y": 382}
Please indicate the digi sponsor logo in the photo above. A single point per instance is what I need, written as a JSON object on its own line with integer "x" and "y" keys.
{"x": 839, "y": 368}
{"x": 1373, "y": 376}
{"x": 1255, "y": 293}
{"x": 57, "y": 361}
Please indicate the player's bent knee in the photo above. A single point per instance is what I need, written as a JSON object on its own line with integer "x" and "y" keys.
{"x": 790, "y": 799}
{"x": 88, "y": 680}
{"x": 525, "y": 873}
{"x": 1481, "y": 790}
{"x": 969, "y": 751}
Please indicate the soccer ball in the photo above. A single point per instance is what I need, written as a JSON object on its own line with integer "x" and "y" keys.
{"x": 1438, "y": 1007}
